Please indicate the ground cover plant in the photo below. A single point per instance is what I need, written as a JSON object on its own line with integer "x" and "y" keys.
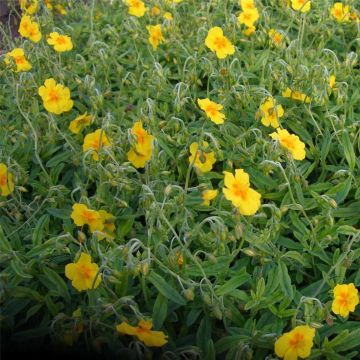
{"x": 179, "y": 179}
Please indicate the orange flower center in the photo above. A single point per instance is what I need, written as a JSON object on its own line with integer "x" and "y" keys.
{"x": 3, "y": 180}
{"x": 86, "y": 271}
{"x": 338, "y": 12}
{"x": 220, "y": 42}
{"x": 61, "y": 40}
{"x": 19, "y": 60}
{"x": 247, "y": 16}
{"x": 53, "y": 95}
{"x": 211, "y": 110}
{"x": 140, "y": 136}
{"x": 89, "y": 216}
{"x": 288, "y": 142}
{"x": 295, "y": 342}
{"x": 277, "y": 38}
{"x": 136, "y": 3}
{"x": 343, "y": 299}
{"x": 301, "y": 2}
{"x": 239, "y": 191}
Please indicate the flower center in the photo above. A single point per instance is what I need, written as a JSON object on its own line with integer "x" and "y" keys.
{"x": 89, "y": 216}
{"x": 53, "y": 95}
{"x": 3, "y": 180}
{"x": 239, "y": 190}
{"x": 295, "y": 342}
{"x": 288, "y": 142}
{"x": 19, "y": 60}
{"x": 86, "y": 271}
{"x": 220, "y": 42}
{"x": 61, "y": 40}
{"x": 343, "y": 299}
{"x": 211, "y": 110}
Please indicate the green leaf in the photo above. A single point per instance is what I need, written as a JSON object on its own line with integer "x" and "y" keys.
{"x": 165, "y": 289}
{"x": 233, "y": 283}
{"x": 38, "y": 233}
{"x": 159, "y": 311}
{"x": 285, "y": 280}
{"x": 348, "y": 150}
{"x": 58, "y": 282}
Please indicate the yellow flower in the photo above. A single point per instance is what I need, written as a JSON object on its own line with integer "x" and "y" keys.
{"x": 207, "y": 196}
{"x": 247, "y": 4}
{"x": 95, "y": 141}
{"x": 56, "y": 97}
{"x": 29, "y": 6}
{"x": 332, "y": 81}
{"x": 48, "y": 4}
{"x": 212, "y": 110}
{"x": 156, "y": 36}
{"x": 249, "y": 31}
{"x": 248, "y": 17}
{"x": 201, "y": 160}
{"x": 296, "y": 95}
{"x": 79, "y": 123}
{"x": 218, "y": 43}
{"x": 7, "y": 185}
{"x": 290, "y": 142}
{"x": 109, "y": 226}
{"x": 83, "y": 273}
{"x": 141, "y": 152}
{"x": 237, "y": 190}
{"x": 136, "y": 7}
{"x": 19, "y": 58}
{"x": 270, "y": 112}
{"x": 345, "y": 299}
{"x": 174, "y": 1}
{"x": 144, "y": 333}
{"x": 340, "y": 12}
{"x": 180, "y": 258}
{"x": 276, "y": 37}
{"x": 168, "y": 16}
{"x": 60, "y": 9}
{"x": 296, "y": 343}
{"x": 301, "y": 5}
{"x": 29, "y": 29}
{"x": 82, "y": 215}
{"x": 155, "y": 10}
{"x": 61, "y": 43}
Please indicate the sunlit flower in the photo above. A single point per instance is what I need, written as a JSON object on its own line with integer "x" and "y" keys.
{"x": 56, "y": 97}
{"x": 28, "y": 6}
{"x": 296, "y": 343}
{"x": 174, "y": 1}
{"x": 83, "y": 274}
{"x": 207, "y": 196}
{"x": 156, "y": 37}
{"x": 109, "y": 226}
{"x": 180, "y": 258}
{"x": 237, "y": 190}
{"x": 82, "y": 215}
{"x": 48, "y": 4}
{"x": 248, "y": 17}
{"x": 296, "y": 95}
{"x": 340, "y": 12}
{"x": 332, "y": 81}
{"x": 18, "y": 56}
{"x": 290, "y": 142}
{"x": 61, "y": 43}
{"x": 80, "y": 123}
{"x": 60, "y": 9}
{"x": 212, "y": 110}
{"x": 141, "y": 152}
{"x": 200, "y": 159}
{"x": 247, "y": 4}
{"x": 301, "y": 5}
{"x": 7, "y": 185}
{"x": 155, "y": 10}
{"x": 95, "y": 141}
{"x": 345, "y": 299}
{"x": 29, "y": 29}
{"x": 249, "y": 31}
{"x": 168, "y": 16}
{"x": 276, "y": 37}
{"x": 144, "y": 333}
{"x": 136, "y": 7}
{"x": 218, "y": 43}
{"x": 270, "y": 112}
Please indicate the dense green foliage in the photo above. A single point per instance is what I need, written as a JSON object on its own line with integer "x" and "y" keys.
{"x": 245, "y": 279}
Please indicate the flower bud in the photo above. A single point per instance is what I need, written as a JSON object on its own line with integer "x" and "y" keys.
{"x": 189, "y": 294}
